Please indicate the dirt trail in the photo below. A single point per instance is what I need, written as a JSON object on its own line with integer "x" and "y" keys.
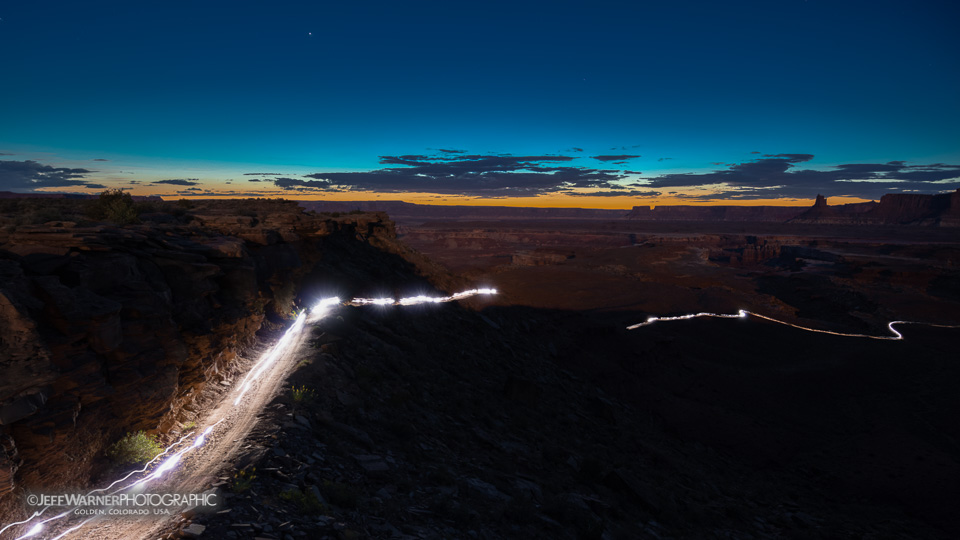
{"x": 231, "y": 425}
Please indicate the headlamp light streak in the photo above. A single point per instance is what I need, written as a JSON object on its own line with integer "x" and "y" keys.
{"x": 276, "y": 352}
{"x": 163, "y": 468}
{"x": 321, "y": 309}
{"x": 897, "y": 336}
{"x": 420, "y": 299}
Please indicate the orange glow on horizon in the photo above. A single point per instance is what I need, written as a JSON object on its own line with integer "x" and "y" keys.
{"x": 545, "y": 201}
{"x": 560, "y": 200}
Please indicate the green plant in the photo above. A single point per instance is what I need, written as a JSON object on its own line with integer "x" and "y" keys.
{"x": 305, "y": 501}
{"x": 243, "y": 480}
{"x": 113, "y": 205}
{"x": 190, "y": 425}
{"x": 303, "y": 395}
{"x": 134, "y": 448}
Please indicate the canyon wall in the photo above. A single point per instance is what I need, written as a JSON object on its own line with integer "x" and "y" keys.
{"x": 941, "y": 210}
{"x": 106, "y": 329}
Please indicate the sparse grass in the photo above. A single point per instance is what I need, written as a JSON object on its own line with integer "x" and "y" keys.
{"x": 134, "y": 448}
{"x": 305, "y": 501}
{"x": 303, "y": 395}
{"x": 189, "y": 425}
{"x": 243, "y": 480}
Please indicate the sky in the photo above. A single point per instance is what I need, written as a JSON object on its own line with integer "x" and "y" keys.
{"x": 589, "y": 104}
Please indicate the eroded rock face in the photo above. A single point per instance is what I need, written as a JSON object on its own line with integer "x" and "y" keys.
{"x": 105, "y": 330}
{"x": 941, "y": 210}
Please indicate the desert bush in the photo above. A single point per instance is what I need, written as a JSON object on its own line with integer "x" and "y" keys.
{"x": 113, "y": 205}
{"x": 303, "y": 395}
{"x": 243, "y": 480}
{"x": 134, "y": 448}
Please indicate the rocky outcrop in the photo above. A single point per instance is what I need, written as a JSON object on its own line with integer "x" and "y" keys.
{"x": 106, "y": 329}
{"x": 909, "y": 208}
{"x": 941, "y": 210}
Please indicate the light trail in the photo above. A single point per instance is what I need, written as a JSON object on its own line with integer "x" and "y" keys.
{"x": 321, "y": 309}
{"x": 741, "y": 314}
{"x": 419, "y": 299}
{"x": 271, "y": 357}
{"x": 162, "y": 469}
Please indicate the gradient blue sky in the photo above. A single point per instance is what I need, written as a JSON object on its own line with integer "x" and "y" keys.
{"x": 206, "y": 91}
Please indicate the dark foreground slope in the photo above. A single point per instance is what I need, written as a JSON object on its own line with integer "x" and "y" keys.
{"x": 522, "y": 423}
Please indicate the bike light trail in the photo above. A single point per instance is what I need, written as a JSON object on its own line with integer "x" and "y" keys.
{"x": 742, "y": 314}
{"x": 267, "y": 368}
{"x": 420, "y": 299}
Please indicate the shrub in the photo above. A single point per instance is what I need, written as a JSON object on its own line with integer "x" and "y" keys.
{"x": 134, "y": 448}
{"x": 114, "y": 205}
{"x": 243, "y": 480}
{"x": 305, "y": 501}
{"x": 303, "y": 395}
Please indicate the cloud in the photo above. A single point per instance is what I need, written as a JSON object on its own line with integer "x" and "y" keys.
{"x": 178, "y": 182}
{"x": 99, "y": 159}
{"x": 617, "y": 193}
{"x": 618, "y": 157}
{"x": 30, "y": 175}
{"x": 664, "y": 158}
{"x": 262, "y": 174}
{"x": 203, "y": 193}
{"x": 474, "y": 175}
{"x": 445, "y": 151}
{"x": 777, "y": 175}
{"x": 574, "y": 149}
{"x": 253, "y": 180}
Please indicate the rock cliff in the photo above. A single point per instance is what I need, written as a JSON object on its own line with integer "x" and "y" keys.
{"x": 107, "y": 329}
{"x": 941, "y": 210}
